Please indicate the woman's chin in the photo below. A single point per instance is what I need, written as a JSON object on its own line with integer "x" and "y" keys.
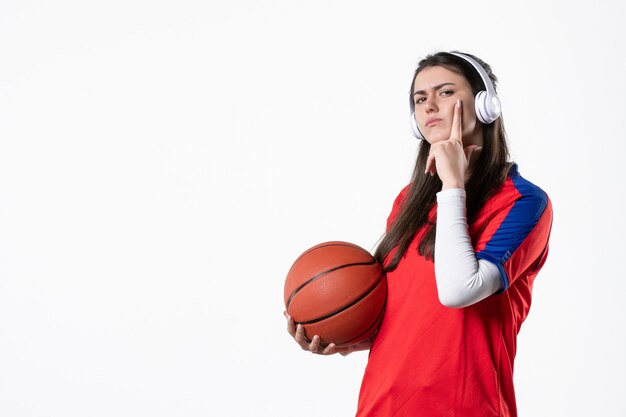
{"x": 432, "y": 139}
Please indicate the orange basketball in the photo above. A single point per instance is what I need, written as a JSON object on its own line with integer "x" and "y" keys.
{"x": 336, "y": 290}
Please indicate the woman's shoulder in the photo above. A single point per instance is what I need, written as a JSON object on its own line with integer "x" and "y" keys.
{"x": 521, "y": 188}
{"x": 401, "y": 197}
{"x": 529, "y": 199}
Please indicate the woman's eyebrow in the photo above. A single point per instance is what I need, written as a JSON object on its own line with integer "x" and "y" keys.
{"x": 437, "y": 87}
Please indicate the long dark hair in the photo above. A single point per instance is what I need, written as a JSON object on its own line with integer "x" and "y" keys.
{"x": 489, "y": 174}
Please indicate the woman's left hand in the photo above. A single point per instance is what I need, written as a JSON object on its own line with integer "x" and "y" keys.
{"x": 449, "y": 158}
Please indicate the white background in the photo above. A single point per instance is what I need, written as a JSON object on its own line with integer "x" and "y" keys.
{"x": 162, "y": 163}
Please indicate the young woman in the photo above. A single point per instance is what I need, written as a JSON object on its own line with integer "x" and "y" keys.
{"x": 464, "y": 242}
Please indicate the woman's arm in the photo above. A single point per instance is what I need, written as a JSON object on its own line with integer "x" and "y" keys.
{"x": 462, "y": 280}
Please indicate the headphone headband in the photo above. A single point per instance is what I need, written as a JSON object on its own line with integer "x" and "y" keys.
{"x": 481, "y": 71}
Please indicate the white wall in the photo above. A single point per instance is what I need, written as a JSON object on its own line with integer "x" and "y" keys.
{"x": 162, "y": 164}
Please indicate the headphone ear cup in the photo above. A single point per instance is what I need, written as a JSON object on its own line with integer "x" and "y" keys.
{"x": 487, "y": 107}
{"x": 479, "y": 107}
{"x": 414, "y": 128}
{"x": 493, "y": 107}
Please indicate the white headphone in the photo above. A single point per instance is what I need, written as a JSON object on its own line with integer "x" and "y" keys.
{"x": 486, "y": 103}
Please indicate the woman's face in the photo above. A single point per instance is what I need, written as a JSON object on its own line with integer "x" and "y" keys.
{"x": 435, "y": 92}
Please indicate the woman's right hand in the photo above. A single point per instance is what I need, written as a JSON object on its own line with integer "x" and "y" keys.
{"x": 297, "y": 332}
{"x": 314, "y": 346}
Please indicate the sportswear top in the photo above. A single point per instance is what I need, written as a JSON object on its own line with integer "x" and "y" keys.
{"x": 431, "y": 360}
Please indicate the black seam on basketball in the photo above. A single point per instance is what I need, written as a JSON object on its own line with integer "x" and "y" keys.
{"x": 346, "y": 244}
{"x": 365, "y": 294}
{"x": 321, "y": 274}
{"x": 374, "y": 323}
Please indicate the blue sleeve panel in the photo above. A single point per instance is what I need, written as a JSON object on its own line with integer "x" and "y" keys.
{"x": 516, "y": 226}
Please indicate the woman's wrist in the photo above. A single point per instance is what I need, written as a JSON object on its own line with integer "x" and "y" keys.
{"x": 452, "y": 184}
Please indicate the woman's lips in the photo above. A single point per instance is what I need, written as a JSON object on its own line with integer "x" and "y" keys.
{"x": 431, "y": 122}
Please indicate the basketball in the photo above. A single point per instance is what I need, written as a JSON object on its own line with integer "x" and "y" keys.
{"x": 336, "y": 290}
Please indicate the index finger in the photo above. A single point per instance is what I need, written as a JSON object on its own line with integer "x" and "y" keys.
{"x": 456, "y": 133}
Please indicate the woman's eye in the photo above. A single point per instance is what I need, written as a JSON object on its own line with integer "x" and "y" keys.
{"x": 420, "y": 100}
{"x": 447, "y": 92}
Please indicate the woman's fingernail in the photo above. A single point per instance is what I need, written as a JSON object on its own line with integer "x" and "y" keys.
{"x": 458, "y": 103}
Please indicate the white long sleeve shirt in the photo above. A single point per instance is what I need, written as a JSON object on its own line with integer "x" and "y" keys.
{"x": 462, "y": 280}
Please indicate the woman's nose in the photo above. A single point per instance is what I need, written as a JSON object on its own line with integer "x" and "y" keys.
{"x": 430, "y": 105}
